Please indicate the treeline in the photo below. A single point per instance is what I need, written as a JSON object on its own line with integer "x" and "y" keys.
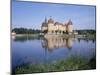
{"x": 86, "y": 32}
{"x": 25, "y": 31}
{"x": 36, "y": 31}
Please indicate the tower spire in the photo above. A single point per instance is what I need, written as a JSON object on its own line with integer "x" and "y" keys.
{"x": 45, "y": 20}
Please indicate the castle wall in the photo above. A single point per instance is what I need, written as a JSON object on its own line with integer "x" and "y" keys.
{"x": 50, "y": 28}
{"x": 53, "y": 28}
{"x": 70, "y": 29}
{"x": 44, "y": 28}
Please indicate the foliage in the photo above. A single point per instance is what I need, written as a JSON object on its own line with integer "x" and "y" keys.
{"x": 70, "y": 64}
{"x": 86, "y": 32}
{"x": 25, "y": 31}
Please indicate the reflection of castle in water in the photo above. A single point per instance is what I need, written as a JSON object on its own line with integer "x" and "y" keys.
{"x": 57, "y": 42}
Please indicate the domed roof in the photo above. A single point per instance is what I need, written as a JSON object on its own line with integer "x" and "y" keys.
{"x": 50, "y": 20}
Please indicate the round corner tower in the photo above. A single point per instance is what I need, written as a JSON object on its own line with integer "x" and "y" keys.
{"x": 69, "y": 27}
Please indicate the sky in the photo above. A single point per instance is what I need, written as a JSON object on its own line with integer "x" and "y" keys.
{"x": 32, "y": 14}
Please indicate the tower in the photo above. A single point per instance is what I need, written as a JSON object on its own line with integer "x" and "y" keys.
{"x": 44, "y": 26}
{"x": 50, "y": 25}
{"x": 69, "y": 27}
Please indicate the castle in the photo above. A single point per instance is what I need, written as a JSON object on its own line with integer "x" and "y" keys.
{"x": 52, "y": 27}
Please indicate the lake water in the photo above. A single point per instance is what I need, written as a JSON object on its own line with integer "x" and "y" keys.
{"x": 30, "y": 50}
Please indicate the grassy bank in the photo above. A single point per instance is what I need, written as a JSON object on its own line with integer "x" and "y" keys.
{"x": 70, "y": 64}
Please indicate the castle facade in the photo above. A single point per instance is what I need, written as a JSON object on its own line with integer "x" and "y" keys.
{"x": 52, "y": 27}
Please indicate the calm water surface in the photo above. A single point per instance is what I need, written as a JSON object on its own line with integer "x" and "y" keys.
{"x": 30, "y": 50}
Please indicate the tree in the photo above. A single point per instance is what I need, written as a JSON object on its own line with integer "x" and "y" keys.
{"x": 25, "y": 31}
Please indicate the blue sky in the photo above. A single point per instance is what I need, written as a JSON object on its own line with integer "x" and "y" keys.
{"x": 31, "y": 14}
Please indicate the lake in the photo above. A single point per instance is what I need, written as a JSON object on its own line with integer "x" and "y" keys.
{"x": 41, "y": 50}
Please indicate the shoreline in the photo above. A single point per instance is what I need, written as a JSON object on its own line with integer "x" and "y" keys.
{"x": 57, "y": 35}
